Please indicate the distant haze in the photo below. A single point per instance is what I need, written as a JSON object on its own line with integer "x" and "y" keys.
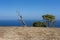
{"x": 29, "y": 9}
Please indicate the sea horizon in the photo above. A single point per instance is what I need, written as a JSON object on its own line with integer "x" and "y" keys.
{"x": 19, "y": 23}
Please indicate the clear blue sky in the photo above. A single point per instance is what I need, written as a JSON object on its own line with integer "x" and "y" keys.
{"x": 29, "y": 9}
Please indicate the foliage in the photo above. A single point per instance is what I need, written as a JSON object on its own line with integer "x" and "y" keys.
{"x": 49, "y": 18}
{"x": 39, "y": 24}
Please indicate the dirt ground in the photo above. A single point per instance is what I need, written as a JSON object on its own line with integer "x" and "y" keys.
{"x": 29, "y": 33}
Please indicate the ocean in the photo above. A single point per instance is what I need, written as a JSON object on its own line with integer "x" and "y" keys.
{"x": 18, "y": 23}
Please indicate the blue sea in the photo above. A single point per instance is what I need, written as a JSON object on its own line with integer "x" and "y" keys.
{"x": 18, "y": 23}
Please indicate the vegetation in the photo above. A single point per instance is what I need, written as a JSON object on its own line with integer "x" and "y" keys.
{"x": 49, "y": 20}
{"x": 39, "y": 24}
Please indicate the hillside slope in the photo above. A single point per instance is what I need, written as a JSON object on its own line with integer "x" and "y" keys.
{"x": 29, "y": 33}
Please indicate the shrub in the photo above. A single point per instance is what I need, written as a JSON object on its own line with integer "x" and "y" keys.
{"x": 39, "y": 24}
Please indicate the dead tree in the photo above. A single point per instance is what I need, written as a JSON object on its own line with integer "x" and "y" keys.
{"x": 21, "y": 18}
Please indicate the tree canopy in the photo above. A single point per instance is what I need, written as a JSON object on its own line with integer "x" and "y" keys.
{"x": 49, "y": 18}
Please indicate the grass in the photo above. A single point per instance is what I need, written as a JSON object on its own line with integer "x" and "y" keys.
{"x": 29, "y": 33}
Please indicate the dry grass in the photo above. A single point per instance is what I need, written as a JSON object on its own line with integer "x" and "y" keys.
{"x": 29, "y": 33}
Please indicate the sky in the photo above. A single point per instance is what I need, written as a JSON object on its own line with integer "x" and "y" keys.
{"x": 29, "y": 9}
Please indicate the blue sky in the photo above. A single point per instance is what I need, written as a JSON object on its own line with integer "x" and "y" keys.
{"x": 29, "y": 9}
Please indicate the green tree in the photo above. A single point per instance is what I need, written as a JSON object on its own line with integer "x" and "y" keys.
{"x": 49, "y": 18}
{"x": 39, "y": 24}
